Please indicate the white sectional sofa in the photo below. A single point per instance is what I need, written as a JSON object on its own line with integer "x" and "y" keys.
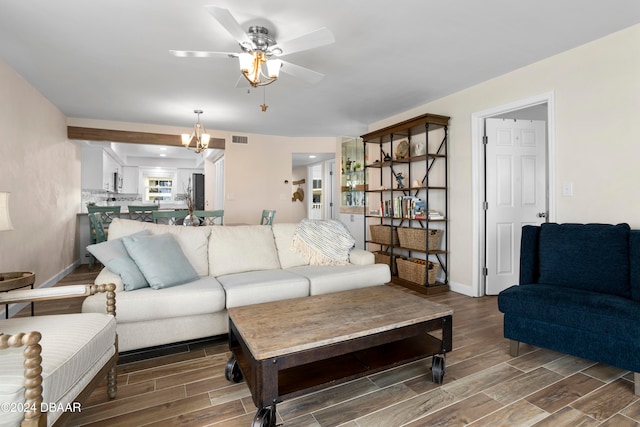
{"x": 235, "y": 266}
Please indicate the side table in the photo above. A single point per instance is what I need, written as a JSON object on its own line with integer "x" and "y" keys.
{"x": 16, "y": 280}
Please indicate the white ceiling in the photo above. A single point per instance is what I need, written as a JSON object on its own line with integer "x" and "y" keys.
{"x": 108, "y": 59}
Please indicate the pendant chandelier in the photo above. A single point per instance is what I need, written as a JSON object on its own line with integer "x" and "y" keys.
{"x": 199, "y": 134}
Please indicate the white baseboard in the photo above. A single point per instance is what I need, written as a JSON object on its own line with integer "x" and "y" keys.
{"x": 15, "y": 308}
{"x": 462, "y": 289}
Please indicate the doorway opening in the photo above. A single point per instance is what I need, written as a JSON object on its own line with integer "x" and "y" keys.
{"x": 484, "y": 172}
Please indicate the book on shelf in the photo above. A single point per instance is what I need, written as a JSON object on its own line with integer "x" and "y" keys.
{"x": 402, "y": 207}
{"x": 433, "y": 214}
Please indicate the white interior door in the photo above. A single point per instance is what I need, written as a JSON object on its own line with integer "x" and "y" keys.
{"x": 516, "y": 194}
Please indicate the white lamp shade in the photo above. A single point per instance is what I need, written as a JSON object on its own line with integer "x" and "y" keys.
{"x": 186, "y": 139}
{"x": 5, "y": 218}
{"x": 273, "y": 68}
{"x": 246, "y": 62}
{"x": 204, "y": 139}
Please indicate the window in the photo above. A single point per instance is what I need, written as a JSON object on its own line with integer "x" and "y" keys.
{"x": 158, "y": 189}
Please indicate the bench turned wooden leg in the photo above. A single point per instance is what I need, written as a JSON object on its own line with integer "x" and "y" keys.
{"x": 112, "y": 386}
{"x": 514, "y": 348}
{"x": 636, "y": 383}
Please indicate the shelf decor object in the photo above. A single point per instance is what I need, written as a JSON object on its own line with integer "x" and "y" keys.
{"x": 406, "y": 201}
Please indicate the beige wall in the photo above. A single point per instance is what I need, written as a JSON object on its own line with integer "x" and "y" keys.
{"x": 597, "y": 104}
{"x": 41, "y": 169}
{"x": 255, "y": 175}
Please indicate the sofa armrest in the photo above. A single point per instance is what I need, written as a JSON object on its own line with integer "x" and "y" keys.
{"x": 108, "y": 276}
{"x": 361, "y": 257}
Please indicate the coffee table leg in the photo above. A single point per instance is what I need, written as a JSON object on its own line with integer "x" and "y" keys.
{"x": 265, "y": 417}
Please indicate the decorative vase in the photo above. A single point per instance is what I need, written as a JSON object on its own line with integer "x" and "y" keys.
{"x": 191, "y": 221}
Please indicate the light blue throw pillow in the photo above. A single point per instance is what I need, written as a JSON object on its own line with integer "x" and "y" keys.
{"x": 160, "y": 259}
{"x": 113, "y": 255}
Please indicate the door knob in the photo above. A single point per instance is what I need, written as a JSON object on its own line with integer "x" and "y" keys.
{"x": 542, "y": 214}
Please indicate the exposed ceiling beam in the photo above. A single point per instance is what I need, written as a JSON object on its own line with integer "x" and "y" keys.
{"x": 92, "y": 134}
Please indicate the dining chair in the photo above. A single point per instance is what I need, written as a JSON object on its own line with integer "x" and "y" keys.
{"x": 98, "y": 227}
{"x": 169, "y": 217}
{"x": 267, "y": 217}
{"x": 105, "y": 214}
{"x": 142, "y": 213}
{"x": 210, "y": 217}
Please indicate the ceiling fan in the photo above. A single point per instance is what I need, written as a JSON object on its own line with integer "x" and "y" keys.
{"x": 260, "y": 52}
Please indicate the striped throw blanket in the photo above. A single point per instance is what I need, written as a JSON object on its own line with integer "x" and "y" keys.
{"x": 323, "y": 242}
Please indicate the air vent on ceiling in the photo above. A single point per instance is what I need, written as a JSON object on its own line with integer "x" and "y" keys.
{"x": 237, "y": 139}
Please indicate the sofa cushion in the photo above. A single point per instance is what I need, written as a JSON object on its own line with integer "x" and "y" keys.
{"x": 237, "y": 249}
{"x": 593, "y": 257}
{"x": 72, "y": 346}
{"x": 202, "y": 296}
{"x": 336, "y": 278}
{"x": 113, "y": 255}
{"x": 595, "y": 312}
{"x": 255, "y": 287}
{"x": 160, "y": 259}
{"x": 194, "y": 241}
{"x": 283, "y": 235}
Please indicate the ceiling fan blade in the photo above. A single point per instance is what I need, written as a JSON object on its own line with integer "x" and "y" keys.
{"x": 301, "y": 73}
{"x": 317, "y": 38}
{"x": 224, "y": 17}
{"x": 200, "y": 54}
{"x": 242, "y": 82}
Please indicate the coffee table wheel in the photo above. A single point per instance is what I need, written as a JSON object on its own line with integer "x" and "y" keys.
{"x": 437, "y": 368}
{"x": 232, "y": 371}
{"x": 265, "y": 417}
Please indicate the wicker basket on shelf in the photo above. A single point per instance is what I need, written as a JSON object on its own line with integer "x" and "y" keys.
{"x": 417, "y": 271}
{"x": 382, "y": 257}
{"x": 416, "y": 238}
{"x": 382, "y": 234}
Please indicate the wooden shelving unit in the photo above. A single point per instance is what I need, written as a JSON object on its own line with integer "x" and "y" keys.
{"x": 396, "y": 181}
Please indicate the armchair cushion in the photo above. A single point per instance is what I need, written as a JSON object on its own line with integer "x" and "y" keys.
{"x": 113, "y": 255}
{"x": 160, "y": 259}
{"x": 74, "y": 348}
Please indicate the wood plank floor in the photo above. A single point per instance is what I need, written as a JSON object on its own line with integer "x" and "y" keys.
{"x": 483, "y": 385}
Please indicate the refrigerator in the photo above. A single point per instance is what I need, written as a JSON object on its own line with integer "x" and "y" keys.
{"x": 197, "y": 180}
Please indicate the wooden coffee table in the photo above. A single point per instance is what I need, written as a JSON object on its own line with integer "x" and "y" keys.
{"x": 289, "y": 348}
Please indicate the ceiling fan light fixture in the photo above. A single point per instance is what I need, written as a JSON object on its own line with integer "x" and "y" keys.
{"x": 199, "y": 134}
{"x": 251, "y": 67}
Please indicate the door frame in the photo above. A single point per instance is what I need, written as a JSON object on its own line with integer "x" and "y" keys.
{"x": 477, "y": 165}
